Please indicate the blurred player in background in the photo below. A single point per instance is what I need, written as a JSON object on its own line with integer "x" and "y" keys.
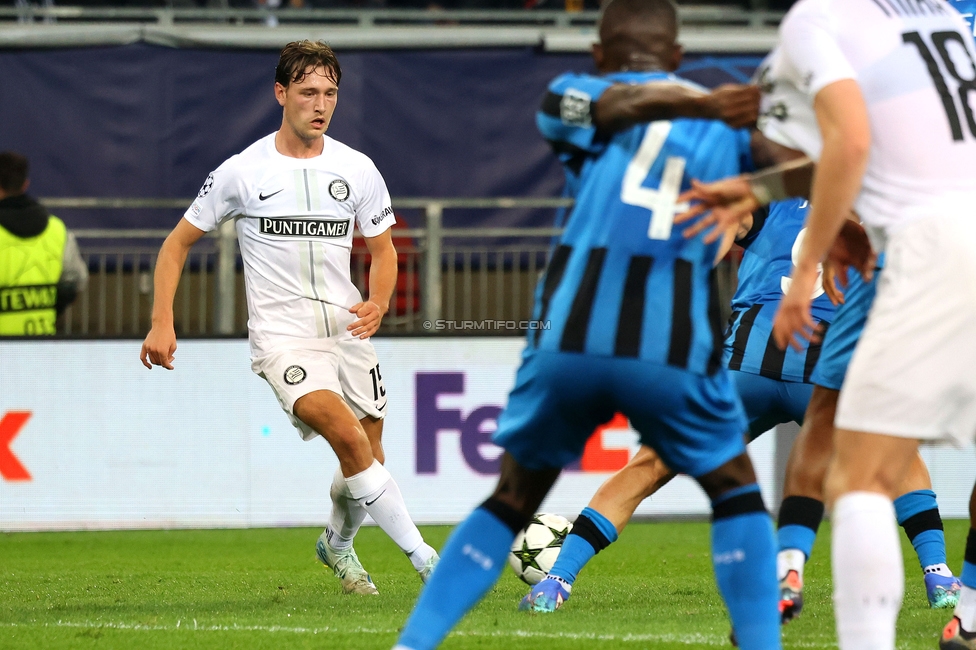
{"x": 634, "y": 329}
{"x": 774, "y": 386}
{"x": 916, "y": 510}
{"x": 41, "y": 269}
{"x": 295, "y": 197}
{"x": 881, "y": 81}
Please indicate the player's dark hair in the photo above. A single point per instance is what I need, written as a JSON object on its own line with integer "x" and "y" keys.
{"x": 13, "y": 172}
{"x": 663, "y": 13}
{"x": 301, "y": 57}
{"x": 639, "y": 26}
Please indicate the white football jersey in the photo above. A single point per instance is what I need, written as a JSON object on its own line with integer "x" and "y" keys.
{"x": 915, "y": 64}
{"x": 295, "y": 220}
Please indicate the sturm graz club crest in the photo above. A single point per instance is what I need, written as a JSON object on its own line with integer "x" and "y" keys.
{"x": 207, "y": 186}
{"x": 339, "y": 189}
{"x": 294, "y": 375}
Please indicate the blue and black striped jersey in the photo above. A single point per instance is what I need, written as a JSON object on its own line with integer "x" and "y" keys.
{"x": 764, "y": 277}
{"x": 622, "y": 281}
{"x": 968, "y": 10}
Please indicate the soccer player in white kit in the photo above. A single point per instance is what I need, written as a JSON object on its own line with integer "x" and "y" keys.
{"x": 890, "y": 86}
{"x": 295, "y": 196}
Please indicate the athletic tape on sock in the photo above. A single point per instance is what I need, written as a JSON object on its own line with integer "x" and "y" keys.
{"x": 592, "y": 526}
{"x": 923, "y": 521}
{"x": 740, "y": 501}
{"x": 508, "y": 515}
{"x": 338, "y": 487}
{"x": 367, "y": 481}
{"x": 801, "y": 511}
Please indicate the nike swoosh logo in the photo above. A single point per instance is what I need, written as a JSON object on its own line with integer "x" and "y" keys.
{"x": 262, "y": 197}
{"x": 380, "y": 408}
{"x": 369, "y": 503}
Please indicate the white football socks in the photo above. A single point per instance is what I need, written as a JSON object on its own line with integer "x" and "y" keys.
{"x": 377, "y": 492}
{"x": 346, "y": 517}
{"x": 966, "y": 609}
{"x": 869, "y": 578}
{"x": 791, "y": 559}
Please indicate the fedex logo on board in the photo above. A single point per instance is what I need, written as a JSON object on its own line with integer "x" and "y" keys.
{"x": 11, "y": 469}
{"x": 476, "y": 428}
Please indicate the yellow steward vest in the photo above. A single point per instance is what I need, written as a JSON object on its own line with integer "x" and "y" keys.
{"x": 29, "y": 273}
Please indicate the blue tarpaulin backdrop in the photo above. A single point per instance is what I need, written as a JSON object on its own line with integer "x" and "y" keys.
{"x": 148, "y": 121}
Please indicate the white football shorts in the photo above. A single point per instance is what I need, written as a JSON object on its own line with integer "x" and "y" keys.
{"x": 913, "y": 374}
{"x": 348, "y": 368}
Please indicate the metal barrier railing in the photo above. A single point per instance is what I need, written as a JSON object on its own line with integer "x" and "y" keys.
{"x": 714, "y": 15}
{"x": 446, "y": 274}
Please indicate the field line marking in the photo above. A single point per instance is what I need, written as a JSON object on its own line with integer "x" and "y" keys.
{"x": 685, "y": 639}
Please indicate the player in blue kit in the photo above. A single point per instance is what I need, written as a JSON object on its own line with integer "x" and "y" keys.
{"x": 634, "y": 316}
{"x": 928, "y": 357}
{"x": 916, "y": 510}
{"x": 774, "y": 386}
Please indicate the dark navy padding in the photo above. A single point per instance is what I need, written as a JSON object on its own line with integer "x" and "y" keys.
{"x": 150, "y": 121}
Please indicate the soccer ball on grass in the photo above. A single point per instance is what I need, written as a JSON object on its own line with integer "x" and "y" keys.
{"x": 535, "y": 549}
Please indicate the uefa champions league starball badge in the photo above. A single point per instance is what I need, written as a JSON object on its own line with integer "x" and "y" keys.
{"x": 207, "y": 186}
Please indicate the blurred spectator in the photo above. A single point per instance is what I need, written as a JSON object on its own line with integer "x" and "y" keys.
{"x": 41, "y": 270}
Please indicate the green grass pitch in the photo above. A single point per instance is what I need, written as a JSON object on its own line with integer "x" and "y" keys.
{"x": 264, "y": 589}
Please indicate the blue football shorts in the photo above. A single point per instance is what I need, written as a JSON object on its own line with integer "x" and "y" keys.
{"x": 844, "y": 332}
{"x": 768, "y": 402}
{"x": 695, "y": 423}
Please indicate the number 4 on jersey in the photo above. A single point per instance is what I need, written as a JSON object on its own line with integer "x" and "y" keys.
{"x": 662, "y": 202}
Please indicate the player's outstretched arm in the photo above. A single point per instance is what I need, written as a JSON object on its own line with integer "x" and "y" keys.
{"x": 623, "y": 105}
{"x": 160, "y": 343}
{"x": 719, "y": 206}
{"x": 724, "y": 204}
{"x": 382, "y": 282}
{"x": 842, "y": 116}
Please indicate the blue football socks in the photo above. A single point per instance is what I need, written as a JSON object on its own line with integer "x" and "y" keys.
{"x": 744, "y": 557}
{"x": 471, "y": 562}
{"x": 918, "y": 514}
{"x": 799, "y": 519}
{"x": 591, "y": 533}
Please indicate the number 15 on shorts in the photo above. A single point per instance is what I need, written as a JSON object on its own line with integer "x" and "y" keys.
{"x": 378, "y": 389}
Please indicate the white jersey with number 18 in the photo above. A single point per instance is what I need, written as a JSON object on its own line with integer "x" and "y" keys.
{"x": 295, "y": 220}
{"x": 915, "y": 64}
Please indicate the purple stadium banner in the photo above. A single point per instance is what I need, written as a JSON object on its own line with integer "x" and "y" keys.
{"x": 148, "y": 121}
